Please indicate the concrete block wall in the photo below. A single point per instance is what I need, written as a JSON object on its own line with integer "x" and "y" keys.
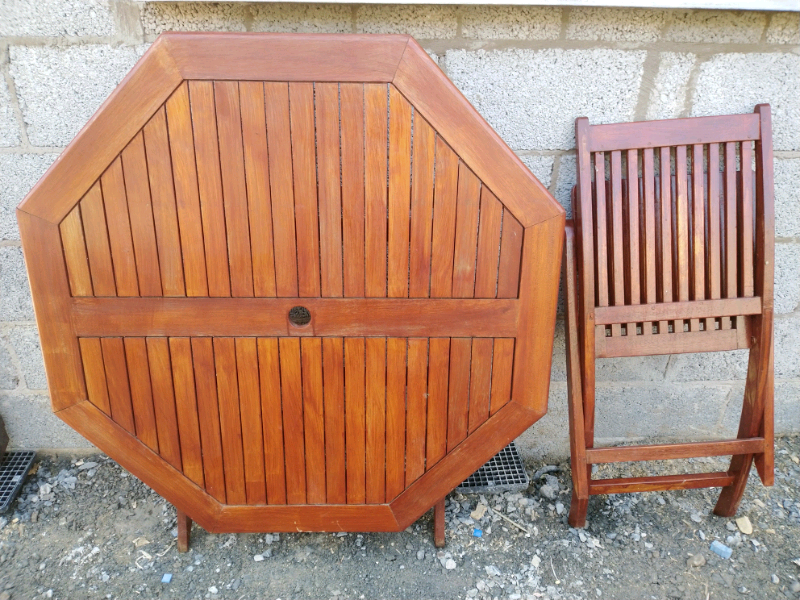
{"x": 529, "y": 70}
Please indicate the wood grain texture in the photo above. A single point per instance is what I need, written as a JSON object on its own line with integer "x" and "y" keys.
{"x": 480, "y": 382}
{"x": 458, "y": 404}
{"x": 375, "y": 197}
{"x": 230, "y": 422}
{"x": 444, "y": 220}
{"x": 282, "y": 57}
{"x": 502, "y": 372}
{"x": 187, "y": 194}
{"x": 141, "y": 392}
{"x": 352, "y": 102}
{"x": 250, "y": 408}
{"x": 119, "y": 391}
{"x": 466, "y": 238}
{"x": 234, "y": 189}
{"x": 140, "y": 209}
{"x": 422, "y": 170}
{"x": 164, "y": 403}
{"x": 333, "y": 386}
{"x": 301, "y": 99}
{"x": 208, "y": 417}
{"x": 438, "y": 381}
{"x": 293, "y": 431}
{"x": 74, "y": 244}
{"x": 399, "y": 196}
{"x": 488, "y": 245}
{"x": 314, "y": 419}
{"x": 267, "y": 316}
{"x": 209, "y": 182}
{"x": 186, "y": 409}
{"x": 97, "y": 245}
{"x": 272, "y": 419}
{"x": 276, "y": 99}
{"x": 355, "y": 418}
{"x": 396, "y": 356}
{"x": 416, "y": 409}
{"x": 257, "y": 178}
{"x": 375, "y": 348}
{"x": 329, "y": 188}
{"x": 510, "y": 257}
{"x": 95, "y": 373}
{"x": 165, "y": 211}
{"x": 119, "y": 230}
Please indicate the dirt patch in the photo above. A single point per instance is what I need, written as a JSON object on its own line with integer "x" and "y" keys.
{"x": 87, "y": 529}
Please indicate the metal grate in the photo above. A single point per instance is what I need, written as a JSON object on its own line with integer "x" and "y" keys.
{"x": 503, "y": 473}
{"x": 12, "y": 474}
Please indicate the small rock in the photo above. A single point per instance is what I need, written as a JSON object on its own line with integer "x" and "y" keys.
{"x": 730, "y": 526}
{"x": 420, "y": 554}
{"x": 559, "y": 508}
{"x": 775, "y": 579}
{"x": 258, "y": 557}
{"x": 547, "y": 492}
{"x": 795, "y": 587}
{"x": 450, "y": 564}
{"x": 87, "y": 465}
{"x": 744, "y": 525}
{"x": 535, "y": 562}
{"x": 698, "y": 560}
{"x": 213, "y": 589}
{"x": 5, "y": 596}
{"x": 34, "y": 516}
{"x": 697, "y": 517}
{"x": 472, "y": 593}
{"x": 479, "y": 511}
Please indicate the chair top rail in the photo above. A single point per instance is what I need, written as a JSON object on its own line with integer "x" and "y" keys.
{"x": 674, "y": 132}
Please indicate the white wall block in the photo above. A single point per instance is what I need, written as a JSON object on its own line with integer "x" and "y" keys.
{"x": 735, "y": 83}
{"x": 9, "y": 127}
{"x": 302, "y": 18}
{"x": 53, "y": 18}
{"x": 716, "y": 26}
{"x": 18, "y": 174}
{"x": 421, "y": 21}
{"x": 510, "y": 22}
{"x": 615, "y": 24}
{"x": 668, "y": 96}
{"x": 158, "y": 17}
{"x": 531, "y": 97}
{"x": 60, "y": 88}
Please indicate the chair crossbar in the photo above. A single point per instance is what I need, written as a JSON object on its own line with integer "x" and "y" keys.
{"x": 671, "y": 343}
{"x": 674, "y": 451}
{"x": 669, "y": 311}
{"x": 655, "y": 483}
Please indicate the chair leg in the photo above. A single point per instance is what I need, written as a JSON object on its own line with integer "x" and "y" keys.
{"x": 438, "y": 524}
{"x": 184, "y": 531}
{"x": 756, "y": 407}
{"x": 575, "y": 379}
{"x": 731, "y": 495}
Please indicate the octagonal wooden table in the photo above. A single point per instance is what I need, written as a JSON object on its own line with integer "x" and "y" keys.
{"x": 294, "y": 282}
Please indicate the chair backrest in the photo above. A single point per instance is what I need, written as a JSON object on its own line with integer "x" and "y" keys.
{"x": 678, "y": 260}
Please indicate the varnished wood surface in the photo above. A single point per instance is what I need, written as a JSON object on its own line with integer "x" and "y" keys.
{"x": 235, "y": 177}
{"x": 684, "y": 259}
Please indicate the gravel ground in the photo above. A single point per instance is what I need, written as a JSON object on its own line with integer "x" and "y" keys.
{"x": 84, "y": 528}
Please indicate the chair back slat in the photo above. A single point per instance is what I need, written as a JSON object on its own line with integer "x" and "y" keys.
{"x": 601, "y": 238}
{"x": 746, "y": 287}
{"x": 633, "y": 291}
{"x": 617, "y": 266}
{"x": 683, "y": 232}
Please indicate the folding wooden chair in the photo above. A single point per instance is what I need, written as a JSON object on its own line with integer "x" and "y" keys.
{"x": 682, "y": 261}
